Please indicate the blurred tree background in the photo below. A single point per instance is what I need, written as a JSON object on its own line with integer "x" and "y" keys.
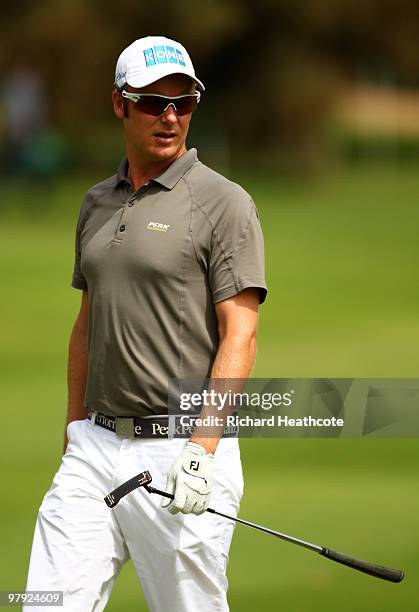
{"x": 288, "y": 83}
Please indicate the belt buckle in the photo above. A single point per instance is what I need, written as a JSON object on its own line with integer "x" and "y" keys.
{"x": 124, "y": 427}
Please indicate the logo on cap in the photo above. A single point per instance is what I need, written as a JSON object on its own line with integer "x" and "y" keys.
{"x": 150, "y": 60}
{"x": 120, "y": 76}
{"x": 162, "y": 54}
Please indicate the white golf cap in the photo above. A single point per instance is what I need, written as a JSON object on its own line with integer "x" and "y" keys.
{"x": 151, "y": 58}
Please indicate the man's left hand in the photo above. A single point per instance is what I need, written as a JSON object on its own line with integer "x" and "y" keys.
{"x": 190, "y": 481}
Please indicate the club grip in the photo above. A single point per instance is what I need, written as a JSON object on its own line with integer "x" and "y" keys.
{"x": 385, "y": 573}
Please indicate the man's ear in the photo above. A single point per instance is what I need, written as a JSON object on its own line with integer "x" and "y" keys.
{"x": 118, "y": 104}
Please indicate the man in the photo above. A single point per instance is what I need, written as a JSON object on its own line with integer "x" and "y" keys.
{"x": 169, "y": 256}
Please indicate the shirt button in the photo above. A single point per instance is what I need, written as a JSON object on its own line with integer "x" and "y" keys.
{"x": 122, "y": 228}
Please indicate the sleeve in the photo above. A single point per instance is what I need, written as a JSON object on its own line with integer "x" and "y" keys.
{"x": 237, "y": 252}
{"x": 78, "y": 281}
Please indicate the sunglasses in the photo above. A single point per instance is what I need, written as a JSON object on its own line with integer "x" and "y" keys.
{"x": 154, "y": 104}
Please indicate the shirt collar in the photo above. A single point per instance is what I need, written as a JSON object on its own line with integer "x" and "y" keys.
{"x": 169, "y": 177}
{"x": 121, "y": 174}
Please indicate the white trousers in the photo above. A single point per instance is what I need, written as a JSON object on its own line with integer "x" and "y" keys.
{"x": 80, "y": 544}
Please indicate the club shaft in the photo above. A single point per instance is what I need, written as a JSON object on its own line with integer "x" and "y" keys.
{"x": 379, "y": 571}
{"x": 385, "y": 573}
{"x": 278, "y": 534}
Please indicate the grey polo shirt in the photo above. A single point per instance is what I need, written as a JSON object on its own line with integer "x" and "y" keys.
{"x": 155, "y": 262}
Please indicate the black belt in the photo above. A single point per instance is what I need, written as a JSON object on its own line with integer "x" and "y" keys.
{"x": 132, "y": 427}
{"x": 150, "y": 427}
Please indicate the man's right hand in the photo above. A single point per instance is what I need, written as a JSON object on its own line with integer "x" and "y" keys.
{"x": 77, "y": 366}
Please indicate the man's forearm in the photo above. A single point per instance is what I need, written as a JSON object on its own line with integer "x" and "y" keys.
{"x": 235, "y": 359}
{"x": 76, "y": 375}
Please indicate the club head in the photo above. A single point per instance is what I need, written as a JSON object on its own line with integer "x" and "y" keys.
{"x": 142, "y": 479}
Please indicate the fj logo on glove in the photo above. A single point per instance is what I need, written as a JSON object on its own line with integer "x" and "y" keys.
{"x": 194, "y": 465}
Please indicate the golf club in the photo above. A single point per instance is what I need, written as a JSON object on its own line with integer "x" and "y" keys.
{"x": 144, "y": 479}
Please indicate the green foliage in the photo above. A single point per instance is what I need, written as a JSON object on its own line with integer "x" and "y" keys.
{"x": 273, "y": 68}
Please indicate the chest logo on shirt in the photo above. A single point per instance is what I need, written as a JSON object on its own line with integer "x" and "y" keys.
{"x": 159, "y": 227}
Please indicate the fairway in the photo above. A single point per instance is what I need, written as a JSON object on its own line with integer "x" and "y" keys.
{"x": 342, "y": 260}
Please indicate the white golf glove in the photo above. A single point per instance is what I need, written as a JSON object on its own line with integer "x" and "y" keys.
{"x": 190, "y": 481}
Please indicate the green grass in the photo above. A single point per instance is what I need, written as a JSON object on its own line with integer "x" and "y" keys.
{"x": 342, "y": 262}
